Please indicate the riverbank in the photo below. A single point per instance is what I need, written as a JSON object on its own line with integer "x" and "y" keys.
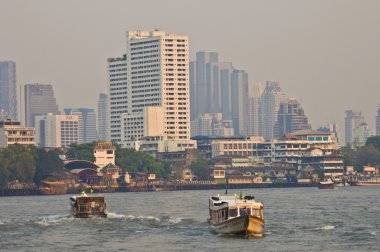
{"x": 171, "y": 187}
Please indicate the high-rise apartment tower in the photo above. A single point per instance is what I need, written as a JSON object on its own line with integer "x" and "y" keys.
{"x": 8, "y": 90}
{"x": 39, "y": 100}
{"x": 103, "y": 117}
{"x": 154, "y": 73}
{"x": 353, "y": 119}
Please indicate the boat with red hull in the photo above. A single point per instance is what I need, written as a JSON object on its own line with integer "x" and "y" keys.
{"x": 52, "y": 187}
{"x": 327, "y": 184}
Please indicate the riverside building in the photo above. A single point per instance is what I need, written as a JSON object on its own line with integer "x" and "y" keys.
{"x": 11, "y": 132}
{"x": 300, "y": 149}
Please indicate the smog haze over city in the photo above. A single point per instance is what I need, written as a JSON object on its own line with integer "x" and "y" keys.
{"x": 324, "y": 53}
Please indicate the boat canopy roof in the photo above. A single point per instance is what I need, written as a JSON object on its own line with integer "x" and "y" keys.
{"x": 236, "y": 201}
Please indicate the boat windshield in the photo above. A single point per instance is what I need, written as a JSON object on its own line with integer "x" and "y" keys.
{"x": 245, "y": 211}
{"x": 233, "y": 212}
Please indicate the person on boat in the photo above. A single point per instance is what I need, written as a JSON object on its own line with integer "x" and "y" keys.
{"x": 91, "y": 190}
{"x": 242, "y": 196}
{"x": 83, "y": 193}
{"x": 243, "y": 211}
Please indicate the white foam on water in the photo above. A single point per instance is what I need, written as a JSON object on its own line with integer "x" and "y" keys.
{"x": 174, "y": 220}
{"x": 148, "y": 218}
{"x": 54, "y": 220}
{"x": 326, "y": 228}
{"x": 115, "y": 215}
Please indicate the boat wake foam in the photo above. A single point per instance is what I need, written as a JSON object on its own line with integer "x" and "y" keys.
{"x": 54, "y": 220}
{"x": 326, "y": 228}
{"x": 131, "y": 217}
{"x": 115, "y": 215}
{"x": 159, "y": 220}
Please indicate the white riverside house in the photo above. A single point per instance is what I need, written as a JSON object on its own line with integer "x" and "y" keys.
{"x": 301, "y": 148}
{"x": 154, "y": 145}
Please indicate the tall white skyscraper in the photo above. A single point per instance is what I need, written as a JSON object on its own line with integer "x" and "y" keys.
{"x": 239, "y": 99}
{"x": 360, "y": 134}
{"x": 8, "y": 90}
{"x": 103, "y": 117}
{"x": 353, "y": 119}
{"x": 118, "y": 95}
{"x": 225, "y": 70}
{"x": 202, "y": 82}
{"x": 157, "y": 75}
{"x": 254, "y": 96}
{"x": 269, "y": 106}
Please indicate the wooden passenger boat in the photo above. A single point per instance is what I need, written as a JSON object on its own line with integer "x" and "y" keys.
{"x": 236, "y": 215}
{"x": 327, "y": 184}
{"x": 88, "y": 206}
{"x": 52, "y": 187}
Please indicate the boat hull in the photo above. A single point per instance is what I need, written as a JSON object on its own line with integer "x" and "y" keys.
{"x": 243, "y": 225}
{"x": 326, "y": 186}
{"x": 50, "y": 191}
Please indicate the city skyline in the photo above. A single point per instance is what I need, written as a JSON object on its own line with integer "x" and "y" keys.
{"x": 323, "y": 53}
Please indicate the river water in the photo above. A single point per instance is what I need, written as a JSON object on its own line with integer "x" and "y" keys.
{"x": 297, "y": 219}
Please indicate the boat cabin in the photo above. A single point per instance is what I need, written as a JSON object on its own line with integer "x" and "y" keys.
{"x": 226, "y": 207}
{"x": 88, "y": 206}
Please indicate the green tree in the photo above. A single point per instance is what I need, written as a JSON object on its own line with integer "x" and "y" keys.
{"x": 349, "y": 156}
{"x": 367, "y": 155}
{"x": 82, "y": 151}
{"x": 374, "y": 141}
{"x": 137, "y": 161}
{"x": 47, "y": 162}
{"x": 19, "y": 161}
{"x": 4, "y": 176}
{"x": 200, "y": 168}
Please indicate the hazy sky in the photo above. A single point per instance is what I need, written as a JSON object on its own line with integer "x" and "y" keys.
{"x": 326, "y": 53}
